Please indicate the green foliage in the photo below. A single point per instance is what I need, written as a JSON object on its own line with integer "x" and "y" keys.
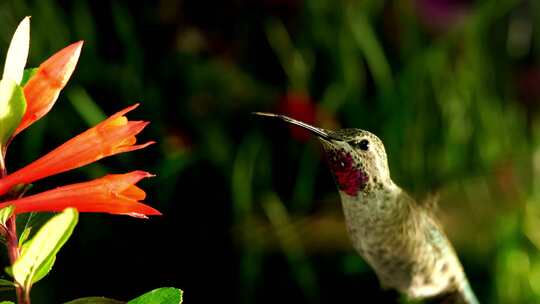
{"x": 6, "y": 283}
{"x": 292, "y": 60}
{"x": 12, "y": 108}
{"x": 12, "y": 101}
{"x": 28, "y": 224}
{"x": 85, "y": 106}
{"x": 18, "y": 52}
{"x": 28, "y": 73}
{"x": 38, "y": 254}
{"x": 164, "y": 295}
{"x": 94, "y": 300}
{"x": 5, "y": 213}
{"x": 454, "y": 100}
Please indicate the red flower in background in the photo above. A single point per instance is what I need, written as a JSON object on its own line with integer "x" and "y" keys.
{"x": 441, "y": 15}
{"x": 299, "y": 106}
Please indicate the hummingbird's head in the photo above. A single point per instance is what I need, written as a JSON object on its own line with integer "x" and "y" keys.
{"x": 356, "y": 157}
{"x": 357, "y": 160}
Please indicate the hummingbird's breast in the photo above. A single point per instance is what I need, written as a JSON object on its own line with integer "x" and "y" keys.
{"x": 402, "y": 243}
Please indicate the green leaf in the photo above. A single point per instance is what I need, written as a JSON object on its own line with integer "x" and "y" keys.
{"x": 164, "y": 295}
{"x": 24, "y": 235}
{"x": 35, "y": 260}
{"x": 28, "y": 73}
{"x": 45, "y": 269}
{"x": 292, "y": 61}
{"x": 5, "y": 213}
{"x": 18, "y": 52}
{"x": 4, "y": 283}
{"x": 94, "y": 300}
{"x": 9, "y": 271}
{"x": 367, "y": 41}
{"x": 86, "y": 106}
{"x": 12, "y": 108}
{"x": 6, "y": 302}
{"x": 28, "y": 224}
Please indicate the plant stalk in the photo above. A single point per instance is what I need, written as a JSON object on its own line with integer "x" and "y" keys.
{"x": 12, "y": 241}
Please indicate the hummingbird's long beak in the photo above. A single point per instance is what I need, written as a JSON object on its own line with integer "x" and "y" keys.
{"x": 317, "y": 131}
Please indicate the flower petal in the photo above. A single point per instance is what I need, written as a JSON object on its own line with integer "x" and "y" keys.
{"x": 43, "y": 88}
{"x": 114, "y": 135}
{"x": 113, "y": 194}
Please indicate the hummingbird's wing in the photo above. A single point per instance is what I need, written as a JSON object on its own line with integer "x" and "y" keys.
{"x": 431, "y": 201}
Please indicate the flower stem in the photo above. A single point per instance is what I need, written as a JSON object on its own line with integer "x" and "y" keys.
{"x": 12, "y": 241}
{"x": 3, "y": 170}
{"x": 13, "y": 252}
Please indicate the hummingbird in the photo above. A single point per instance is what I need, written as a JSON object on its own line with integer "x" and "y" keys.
{"x": 397, "y": 236}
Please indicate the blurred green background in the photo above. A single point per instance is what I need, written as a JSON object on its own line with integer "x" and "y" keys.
{"x": 251, "y": 214}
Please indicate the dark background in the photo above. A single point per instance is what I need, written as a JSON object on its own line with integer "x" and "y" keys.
{"x": 251, "y": 214}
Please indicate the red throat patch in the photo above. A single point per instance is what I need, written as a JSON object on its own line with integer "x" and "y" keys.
{"x": 350, "y": 178}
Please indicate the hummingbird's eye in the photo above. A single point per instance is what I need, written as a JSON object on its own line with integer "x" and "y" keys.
{"x": 362, "y": 145}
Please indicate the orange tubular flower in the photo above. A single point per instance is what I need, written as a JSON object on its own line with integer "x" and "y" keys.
{"x": 112, "y": 136}
{"x": 42, "y": 90}
{"x": 115, "y": 194}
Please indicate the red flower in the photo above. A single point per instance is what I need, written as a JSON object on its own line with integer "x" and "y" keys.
{"x": 115, "y": 194}
{"x": 442, "y": 15}
{"x": 299, "y": 106}
{"x": 112, "y": 136}
{"x": 42, "y": 90}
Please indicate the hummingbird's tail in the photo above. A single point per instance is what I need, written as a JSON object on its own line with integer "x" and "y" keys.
{"x": 462, "y": 295}
{"x": 468, "y": 295}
